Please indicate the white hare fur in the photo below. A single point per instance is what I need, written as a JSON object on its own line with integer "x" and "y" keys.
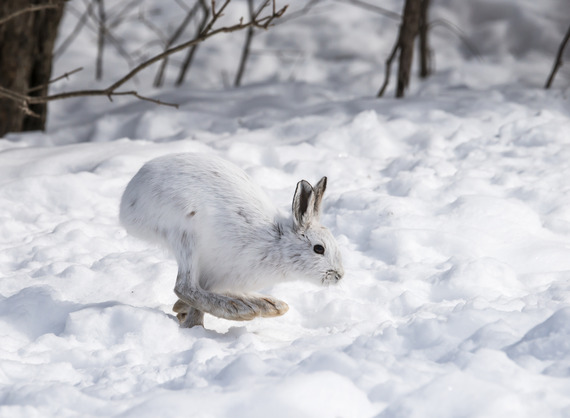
{"x": 228, "y": 238}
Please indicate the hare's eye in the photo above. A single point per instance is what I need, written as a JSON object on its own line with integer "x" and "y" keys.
{"x": 319, "y": 249}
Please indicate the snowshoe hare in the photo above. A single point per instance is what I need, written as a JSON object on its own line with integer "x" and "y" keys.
{"x": 227, "y": 236}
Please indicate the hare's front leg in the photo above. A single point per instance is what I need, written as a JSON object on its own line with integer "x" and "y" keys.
{"x": 187, "y": 315}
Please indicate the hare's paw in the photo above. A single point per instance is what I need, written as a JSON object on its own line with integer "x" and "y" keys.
{"x": 180, "y": 307}
{"x": 249, "y": 307}
{"x": 188, "y": 316}
{"x": 270, "y": 307}
{"x": 192, "y": 318}
{"x": 239, "y": 309}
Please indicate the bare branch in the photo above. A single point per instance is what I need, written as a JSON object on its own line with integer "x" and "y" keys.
{"x": 298, "y": 13}
{"x": 265, "y": 22}
{"x": 10, "y": 94}
{"x": 28, "y": 111}
{"x": 389, "y": 67}
{"x": 147, "y": 99}
{"x": 558, "y": 61}
{"x": 26, "y": 100}
{"x": 215, "y": 16}
{"x": 206, "y": 33}
{"x": 30, "y": 9}
{"x": 111, "y": 91}
{"x": 66, "y": 75}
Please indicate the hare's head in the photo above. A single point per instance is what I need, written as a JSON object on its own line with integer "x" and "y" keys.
{"x": 314, "y": 250}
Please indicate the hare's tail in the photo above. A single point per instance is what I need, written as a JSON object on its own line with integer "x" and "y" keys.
{"x": 234, "y": 307}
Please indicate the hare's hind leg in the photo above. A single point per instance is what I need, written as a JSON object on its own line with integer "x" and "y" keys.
{"x": 198, "y": 300}
{"x": 237, "y": 308}
{"x": 187, "y": 315}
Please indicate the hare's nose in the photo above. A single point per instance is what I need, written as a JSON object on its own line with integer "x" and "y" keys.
{"x": 335, "y": 275}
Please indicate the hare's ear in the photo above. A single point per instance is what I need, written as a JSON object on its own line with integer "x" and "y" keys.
{"x": 303, "y": 205}
{"x": 319, "y": 190}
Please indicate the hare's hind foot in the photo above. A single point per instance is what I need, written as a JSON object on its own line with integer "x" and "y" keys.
{"x": 268, "y": 306}
{"x": 233, "y": 307}
{"x": 237, "y": 308}
{"x": 188, "y": 316}
{"x": 247, "y": 307}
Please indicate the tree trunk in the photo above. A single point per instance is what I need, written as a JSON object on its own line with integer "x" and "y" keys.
{"x": 26, "y": 45}
{"x": 425, "y": 64}
{"x": 408, "y": 33}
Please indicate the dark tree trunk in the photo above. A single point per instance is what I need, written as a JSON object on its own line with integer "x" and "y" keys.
{"x": 408, "y": 33}
{"x": 425, "y": 64}
{"x": 26, "y": 45}
{"x": 414, "y": 23}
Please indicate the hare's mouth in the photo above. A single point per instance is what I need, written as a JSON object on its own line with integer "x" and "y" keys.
{"x": 331, "y": 277}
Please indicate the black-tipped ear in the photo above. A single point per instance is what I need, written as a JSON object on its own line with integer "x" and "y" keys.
{"x": 319, "y": 190}
{"x": 303, "y": 205}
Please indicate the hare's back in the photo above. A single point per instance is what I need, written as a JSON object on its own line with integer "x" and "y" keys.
{"x": 203, "y": 180}
{"x": 168, "y": 189}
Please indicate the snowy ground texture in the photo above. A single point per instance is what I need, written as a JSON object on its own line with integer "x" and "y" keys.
{"x": 452, "y": 208}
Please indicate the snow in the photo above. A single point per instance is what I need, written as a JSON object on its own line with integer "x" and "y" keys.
{"x": 451, "y": 207}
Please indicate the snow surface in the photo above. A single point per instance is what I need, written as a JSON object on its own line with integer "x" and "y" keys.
{"x": 452, "y": 208}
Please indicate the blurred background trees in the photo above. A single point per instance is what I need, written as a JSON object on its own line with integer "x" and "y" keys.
{"x": 29, "y": 31}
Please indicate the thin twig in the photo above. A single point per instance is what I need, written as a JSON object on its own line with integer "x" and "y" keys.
{"x": 215, "y": 15}
{"x": 66, "y": 75}
{"x": 29, "y": 9}
{"x": 558, "y": 61}
{"x": 389, "y": 67}
{"x": 305, "y": 10}
{"x": 28, "y": 100}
